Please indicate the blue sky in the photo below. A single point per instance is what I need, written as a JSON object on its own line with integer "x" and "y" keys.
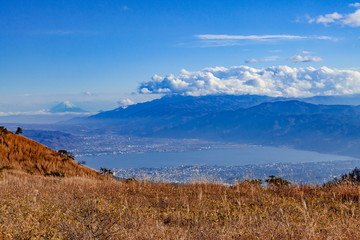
{"x": 95, "y": 53}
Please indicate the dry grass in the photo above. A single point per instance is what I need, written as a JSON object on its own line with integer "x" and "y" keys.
{"x": 37, "y": 207}
{"x": 23, "y": 154}
{"x": 87, "y": 205}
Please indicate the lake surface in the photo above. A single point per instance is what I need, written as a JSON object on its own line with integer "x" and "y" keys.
{"x": 220, "y": 157}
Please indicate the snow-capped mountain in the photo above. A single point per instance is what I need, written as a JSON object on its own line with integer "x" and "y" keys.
{"x": 66, "y": 106}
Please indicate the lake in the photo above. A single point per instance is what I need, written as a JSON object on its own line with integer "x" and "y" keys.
{"x": 220, "y": 157}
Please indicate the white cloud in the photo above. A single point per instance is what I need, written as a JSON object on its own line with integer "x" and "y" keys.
{"x": 273, "y": 81}
{"x": 352, "y": 19}
{"x": 266, "y": 59}
{"x": 259, "y": 37}
{"x": 307, "y": 58}
{"x": 354, "y": 5}
{"x": 253, "y": 60}
{"x": 326, "y": 19}
{"x": 222, "y": 40}
{"x": 124, "y": 103}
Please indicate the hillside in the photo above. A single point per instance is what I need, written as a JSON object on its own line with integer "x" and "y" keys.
{"x": 69, "y": 208}
{"x": 20, "y": 153}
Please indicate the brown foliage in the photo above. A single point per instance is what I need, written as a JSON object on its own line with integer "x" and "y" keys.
{"x": 37, "y": 207}
{"x": 21, "y": 153}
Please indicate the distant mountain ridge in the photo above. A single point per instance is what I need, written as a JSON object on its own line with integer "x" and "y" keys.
{"x": 66, "y": 106}
{"x": 178, "y": 105}
{"x": 330, "y": 128}
{"x": 165, "y": 112}
{"x": 246, "y": 119}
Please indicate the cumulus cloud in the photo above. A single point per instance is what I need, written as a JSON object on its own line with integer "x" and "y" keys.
{"x": 352, "y": 19}
{"x": 273, "y": 81}
{"x": 266, "y": 59}
{"x": 307, "y": 58}
{"x": 124, "y": 103}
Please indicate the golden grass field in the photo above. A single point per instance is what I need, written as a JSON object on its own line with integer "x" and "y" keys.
{"x": 87, "y": 205}
{"x": 38, "y": 207}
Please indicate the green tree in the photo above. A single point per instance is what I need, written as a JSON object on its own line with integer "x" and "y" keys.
{"x": 106, "y": 171}
{"x": 19, "y": 131}
{"x": 352, "y": 177}
{"x": 66, "y": 153}
{"x": 3, "y": 130}
{"x": 277, "y": 181}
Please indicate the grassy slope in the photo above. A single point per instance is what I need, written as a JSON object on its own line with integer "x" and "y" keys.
{"x": 23, "y": 154}
{"x": 79, "y": 208}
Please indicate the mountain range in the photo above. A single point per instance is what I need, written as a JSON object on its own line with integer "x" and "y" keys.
{"x": 246, "y": 119}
